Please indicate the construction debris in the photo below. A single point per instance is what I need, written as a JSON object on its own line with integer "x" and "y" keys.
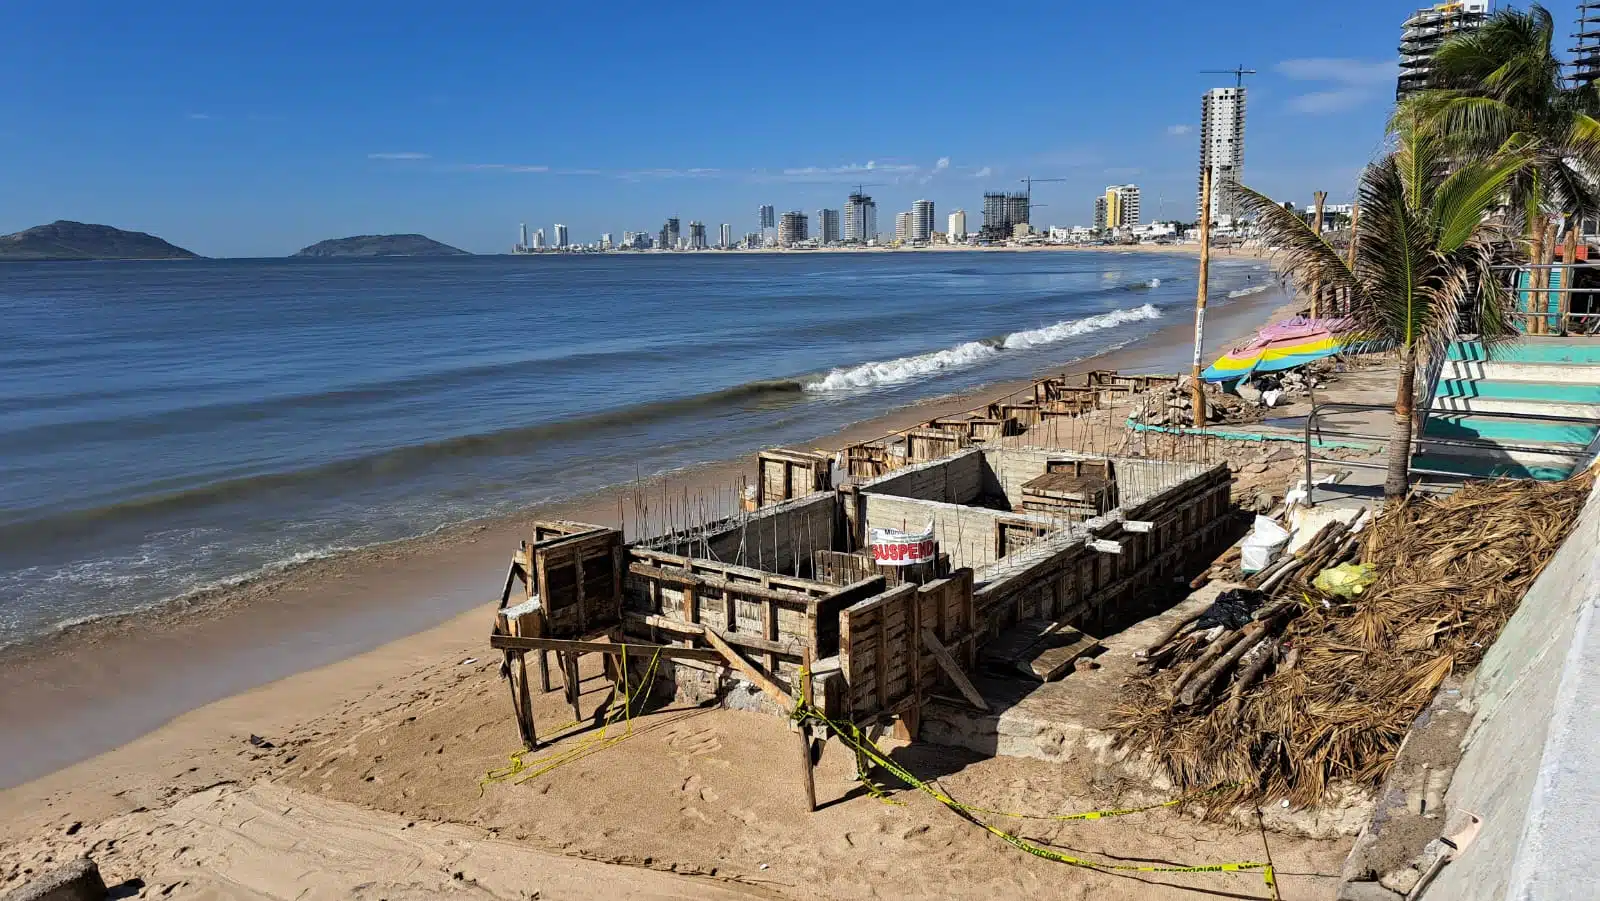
{"x": 1318, "y": 688}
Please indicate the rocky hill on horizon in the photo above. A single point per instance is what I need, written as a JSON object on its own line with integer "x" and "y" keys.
{"x": 68, "y": 240}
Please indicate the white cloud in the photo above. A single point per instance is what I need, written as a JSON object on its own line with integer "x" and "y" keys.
{"x": 1351, "y": 82}
{"x": 942, "y": 164}
{"x": 408, "y": 155}
{"x": 1179, "y": 129}
{"x": 985, "y": 172}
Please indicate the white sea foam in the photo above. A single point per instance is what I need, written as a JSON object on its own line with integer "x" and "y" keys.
{"x": 1246, "y": 292}
{"x": 1153, "y": 283}
{"x": 905, "y": 369}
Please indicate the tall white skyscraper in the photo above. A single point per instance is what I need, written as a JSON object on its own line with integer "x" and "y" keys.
{"x": 605, "y": 241}
{"x": 523, "y": 233}
{"x": 560, "y": 236}
{"x": 538, "y": 239}
{"x": 1221, "y": 148}
{"x": 922, "y": 220}
{"x": 725, "y": 236}
{"x": 957, "y": 230}
{"x": 902, "y": 226}
{"x": 860, "y": 219}
{"x": 767, "y": 216}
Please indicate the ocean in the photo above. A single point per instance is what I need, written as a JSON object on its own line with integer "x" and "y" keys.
{"x": 168, "y": 427}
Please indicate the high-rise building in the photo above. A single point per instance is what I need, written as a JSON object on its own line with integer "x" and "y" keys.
{"x": 673, "y": 232}
{"x": 605, "y": 241}
{"x": 725, "y": 236}
{"x": 828, "y": 226}
{"x": 752, "y": 240}
{"x": 957, "y": 228}
{"x": 860, "y": 219}
{"x": 792, "y": 228}
{"x": 697, "y": 236}
{"x": 1002, "y": 213}
{"x": 1121, "y": 206}
{"x": 922, "y": 220}
{"x": 1100, "y": 213}
{"x": 522, "y": 243}
{"x": 902, "y": 226}
{"x": 1221, "y": 149}
{"x": 538, "y": 239}
{"x": 561, "y": 236}
{"x": 1426, "y": 29}
{"x": 1586, "y": 56}
{"x": 767, "y": 216}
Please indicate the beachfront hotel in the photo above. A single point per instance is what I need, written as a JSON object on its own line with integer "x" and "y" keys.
{"x": 1422, "y": 34}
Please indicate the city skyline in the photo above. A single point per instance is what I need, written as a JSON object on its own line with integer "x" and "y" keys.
{"x": 305, "y": 128}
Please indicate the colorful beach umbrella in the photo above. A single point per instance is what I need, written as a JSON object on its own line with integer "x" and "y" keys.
{"x": 1281, "y": 345}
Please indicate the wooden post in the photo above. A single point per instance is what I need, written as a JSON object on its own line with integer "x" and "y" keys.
{"x": 1316, "y": 287}
{"x": 1534, "y": 323}
{"x": 1350, "y": 252}
{"x": 525, "y": 702}
{"x": 544, "y": 670}
{"x": 1200, "y": 298}
{"x": 1548, "y": 261}
{"x": 808, "y": 776}
{"x": 569, "y": 674}
{"x": 1569, "y": 275}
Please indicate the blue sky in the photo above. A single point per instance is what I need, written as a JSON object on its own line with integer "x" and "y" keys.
{"x": 254, "y": 129}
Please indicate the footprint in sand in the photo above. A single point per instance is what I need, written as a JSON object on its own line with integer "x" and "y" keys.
{"x": 691, "y": 743}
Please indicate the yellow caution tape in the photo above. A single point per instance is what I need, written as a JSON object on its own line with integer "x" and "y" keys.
{"x": 851, "y": 735}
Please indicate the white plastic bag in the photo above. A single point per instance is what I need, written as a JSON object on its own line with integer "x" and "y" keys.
{"x": 1265, "y": 541}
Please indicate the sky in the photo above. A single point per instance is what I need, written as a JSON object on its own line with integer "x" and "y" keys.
{"x": 253, "y": 129}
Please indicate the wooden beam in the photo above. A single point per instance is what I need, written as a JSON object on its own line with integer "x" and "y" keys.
{"x": 808, "y": 778}
{"x": 518, "y": 643}
{"x": 751, "y": 590}
{"x": 749, "y": 670}
{"x": 737, "y": 639}
{"x": 953, "y": 670}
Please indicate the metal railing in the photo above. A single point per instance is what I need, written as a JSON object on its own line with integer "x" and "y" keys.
{"x": 1313, "y": 423}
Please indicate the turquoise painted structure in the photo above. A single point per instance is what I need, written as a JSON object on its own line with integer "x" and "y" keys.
{"x": 1551, "y": 302}
{"x": 1535, "y": 375}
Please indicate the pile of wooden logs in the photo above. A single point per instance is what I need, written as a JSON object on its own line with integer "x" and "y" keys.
{"x": 1207, "y": 661}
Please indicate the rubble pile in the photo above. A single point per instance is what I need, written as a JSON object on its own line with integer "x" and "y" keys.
{"x": 1248, "y": 401}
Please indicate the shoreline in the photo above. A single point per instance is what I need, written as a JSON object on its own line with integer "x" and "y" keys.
{"x": 96, "y": 686}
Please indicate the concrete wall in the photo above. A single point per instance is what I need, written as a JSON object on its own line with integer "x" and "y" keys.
{"x": 957, "y": 479}
{"x": 772, "y": 539}
{"x": 967, "y": 534}
{"x": 1531, "y": 762}
{"x": 1137, "y": 480}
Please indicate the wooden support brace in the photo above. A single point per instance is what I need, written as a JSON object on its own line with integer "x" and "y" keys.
{"x": 749, "y": 670}
{"x": 953, "y": 670}
{"x": 808, "y": 777}
{"x": 561, "y": 646}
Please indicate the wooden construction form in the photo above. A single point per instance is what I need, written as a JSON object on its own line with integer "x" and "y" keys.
{"x": 1025, "y": 414}
{"x": 923, "y": 445}
{"x": 888, "y": 665}
{"x": 871, "y": 459}
{"x": 785, "y": 474}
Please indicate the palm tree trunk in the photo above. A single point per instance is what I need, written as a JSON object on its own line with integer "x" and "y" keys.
{"x": 1534, "y": 325}
{"x": 1396, "y": 483}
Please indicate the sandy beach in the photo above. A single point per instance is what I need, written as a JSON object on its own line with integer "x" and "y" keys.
{"x": 377, "y": 711}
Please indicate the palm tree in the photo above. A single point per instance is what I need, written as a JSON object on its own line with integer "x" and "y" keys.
{"x": 1502, "y": 81}
{"x": 1422, "y": 269}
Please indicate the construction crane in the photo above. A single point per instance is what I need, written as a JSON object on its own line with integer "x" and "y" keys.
{"x": 876, "y": 184}
{"x": 1029, "y": 180}
{"x": 1238, "y": 74}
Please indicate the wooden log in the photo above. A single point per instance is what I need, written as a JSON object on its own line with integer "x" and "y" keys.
{"x": 1253, "y": 671}
{"x": 1170, "y": 633}
{"x": 807, "y": 774}
{"x": 953, "y": 670}
{"x": 1222, "y": 645}
{"x": 749, "y": 670}
{"x": 1249, "y": 637}
{"x": 574, "y": 684}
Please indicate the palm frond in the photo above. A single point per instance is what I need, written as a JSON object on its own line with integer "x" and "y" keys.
{"x": 1303, "y": 254}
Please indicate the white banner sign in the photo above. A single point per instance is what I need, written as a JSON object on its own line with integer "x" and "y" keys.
{"x": 894, "y": 548}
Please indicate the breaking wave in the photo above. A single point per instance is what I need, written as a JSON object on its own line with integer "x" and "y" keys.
{"x": 905, "y": 369}
{"x": 1246, "y": 292}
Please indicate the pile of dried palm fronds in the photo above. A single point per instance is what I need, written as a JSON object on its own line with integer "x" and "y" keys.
{"x": 1348, "y": 677}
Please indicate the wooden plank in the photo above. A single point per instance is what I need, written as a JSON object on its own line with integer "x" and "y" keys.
{"x": 738, "y": 639}
{"x": 749, "y": 670}
{"x": 797, "y": 599}
{"x": 519, "y": 643}
{"x": 1106, "y": 546}
{"x": 953, "y": 670}
{"x": 1051, "y": 663}
{"x": 807, "y": 774}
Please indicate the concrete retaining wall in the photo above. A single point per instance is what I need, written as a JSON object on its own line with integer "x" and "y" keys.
{"x": 957, "y": 479}
{"x": 1531, "y": 761}
{"x": 772, "y": 539}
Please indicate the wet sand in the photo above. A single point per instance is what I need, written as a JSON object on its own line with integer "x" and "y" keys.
{"x": 95, "y": 687}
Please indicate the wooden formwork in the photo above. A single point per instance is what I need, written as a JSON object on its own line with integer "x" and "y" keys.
{"x": 923, "y": 445}
{"x": 895, "y": 649}
{"x": 779, "y": 618}
{"x": 1026, "y": 415}
{"x": 845, "y": 568}
{"x": 870, "y": 459}
{"x": 785, "y": 474}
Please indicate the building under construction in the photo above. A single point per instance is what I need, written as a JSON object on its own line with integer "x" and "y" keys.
{"x": 1002, "y": 213}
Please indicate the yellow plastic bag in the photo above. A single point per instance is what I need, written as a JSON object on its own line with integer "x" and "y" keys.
{"x": 1345, "y": 580}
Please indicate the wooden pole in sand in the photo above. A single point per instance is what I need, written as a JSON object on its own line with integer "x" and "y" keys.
{"x": 1316, "y": 287}
{"x": 1350, "y": 252}
{"x": 1200, "y": 299}
{"x": 808, "y": 779}
{"x": 1569, "y": 275}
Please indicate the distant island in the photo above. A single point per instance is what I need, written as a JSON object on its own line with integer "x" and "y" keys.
{"x": 380, "y": 246}
{"x": 65, "y": 240}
